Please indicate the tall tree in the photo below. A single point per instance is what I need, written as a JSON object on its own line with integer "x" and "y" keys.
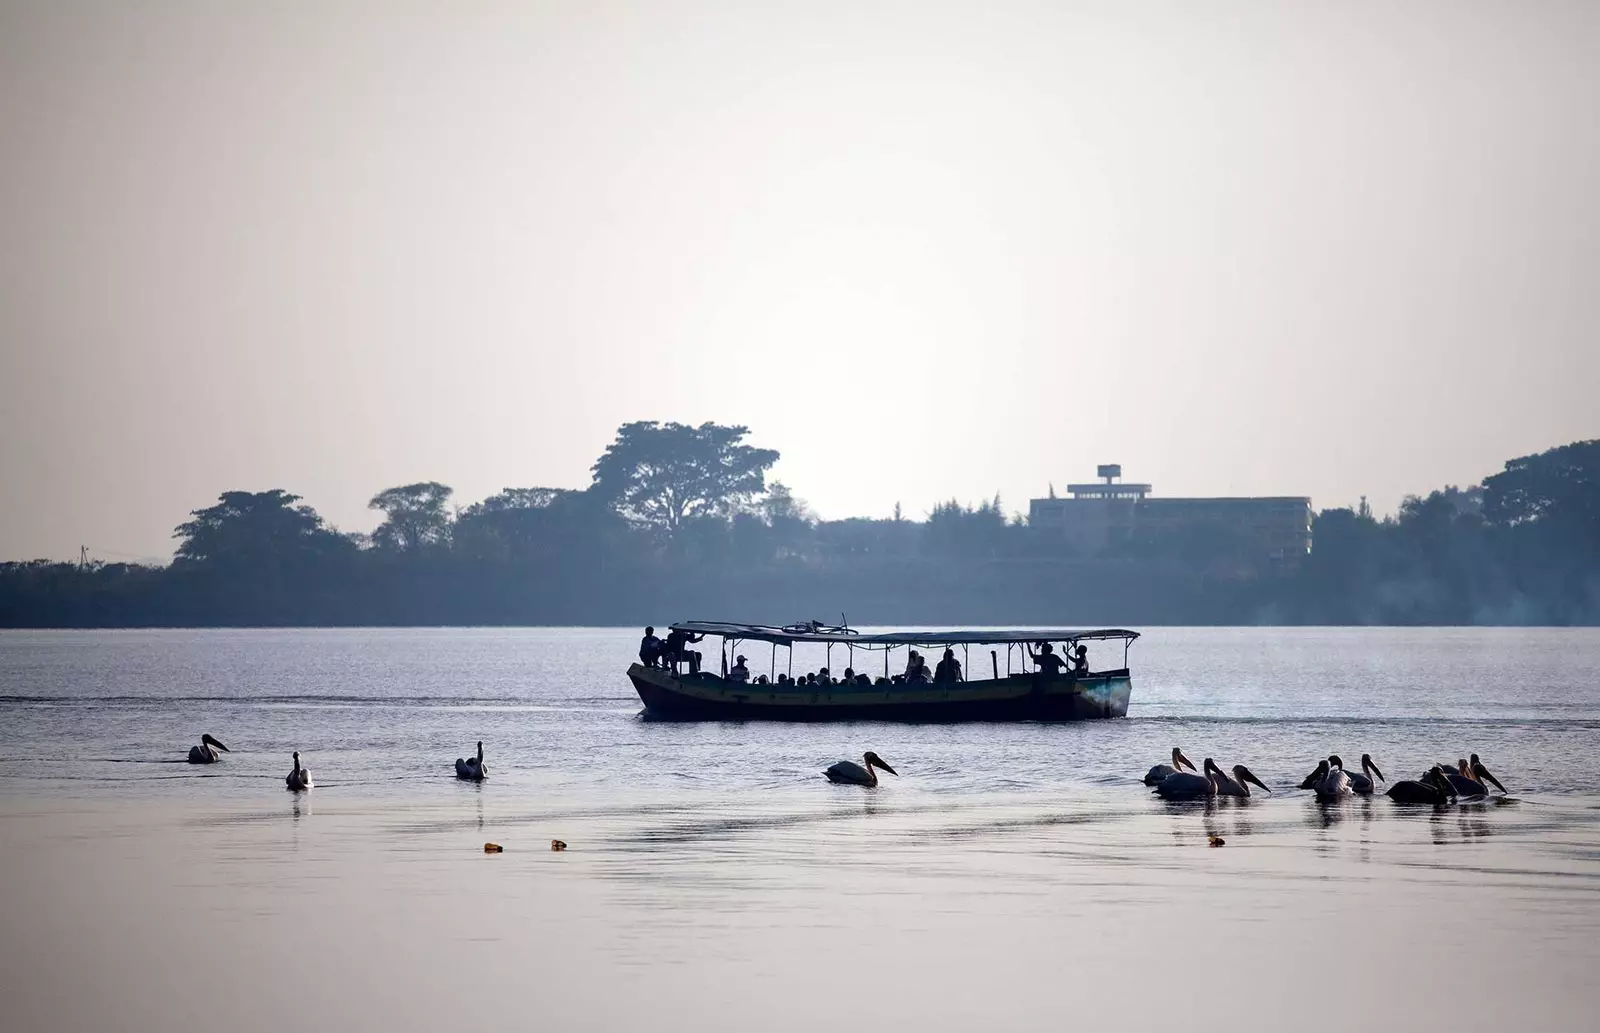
{"x": 252, "y": 526}
{"x": 414, "y": 516}
{"x": 661, "y": 474}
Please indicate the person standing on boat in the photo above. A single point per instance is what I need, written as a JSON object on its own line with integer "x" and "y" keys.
{"x": 649, "y": 648}
{"x": 1050, "y": 664}
{"x": 1080, "y": 661}
{"x": 949, "y": 670}
{"x": 677, "y": 654}
{"x": 739, "y": 672}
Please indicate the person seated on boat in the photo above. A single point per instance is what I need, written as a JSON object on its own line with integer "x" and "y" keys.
{"x": 823, "y": 677}
{"x": 649, "y": 648}
{"x": 881, "y": 680}
{"x": 1080, "y": 662}
{"x": 849, "y": 676}
{"x": 761, "y": 679}
{"x": 949, "y": 670}
{"x": 916, "y": 668}
{"x": 1049, "y": 663}
{"x": 739, "y": 672}
{"x": 864, "y": 680}
{"x": 674, "y": 653}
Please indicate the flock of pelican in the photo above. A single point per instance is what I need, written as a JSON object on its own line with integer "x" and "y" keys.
{"x": 1441, "y": 784}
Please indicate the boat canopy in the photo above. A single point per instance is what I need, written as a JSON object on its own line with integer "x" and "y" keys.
{"x": 813, "y": 632}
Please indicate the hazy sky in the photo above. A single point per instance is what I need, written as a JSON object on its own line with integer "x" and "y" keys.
{"x": 923, "y": 250}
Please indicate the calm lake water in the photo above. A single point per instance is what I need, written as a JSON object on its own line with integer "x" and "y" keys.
{"x": 1013, "y": 876}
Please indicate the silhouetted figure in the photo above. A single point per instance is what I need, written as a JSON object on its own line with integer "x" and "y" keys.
{"x": 1080, "y": 662}
{"x": 739, "y": 672}
{"x": 949, "y": 670}
{"x": 1049, "y": 663}
{"x": 675, "y": 653}
{"x": 649, "y": 648}
{"x": 916, "y": 668}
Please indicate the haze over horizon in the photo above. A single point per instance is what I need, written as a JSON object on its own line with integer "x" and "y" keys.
{"x": 925, "y": 251}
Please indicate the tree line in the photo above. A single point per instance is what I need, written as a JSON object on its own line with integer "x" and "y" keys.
{"x": 680, "y": 521}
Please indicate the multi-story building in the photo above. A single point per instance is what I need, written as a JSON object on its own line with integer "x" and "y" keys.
{"x": 1109, "y": 514}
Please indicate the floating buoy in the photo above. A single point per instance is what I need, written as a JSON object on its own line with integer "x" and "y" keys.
{"x": 493, "y": 848}
{"x": 1218, "y": 841}
{"x": 556, "y": 844}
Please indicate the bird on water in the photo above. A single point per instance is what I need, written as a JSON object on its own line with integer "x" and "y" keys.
{"x": 206, "y": 752}
{"x": 299, "y": 778}
{"x": 848, "y": 772}
{"x": 471, "y": 768}
{"x": 1154, "y": 776}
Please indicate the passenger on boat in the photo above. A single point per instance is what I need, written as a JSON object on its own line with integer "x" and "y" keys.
{"x": 949, "y": 670}
{"x": 761, "y": 679}
{"x": 916, "y": 668}
{"x": 1049, "y": 663}
{"x": 740, "y": 672}
{"x": 1080, "y": 662}
{"x": 674, "y": 652}
{"x": 849, "y": 676}
{"x": 649, "y": 648}
{"x": 823, "y": 677}
{"x": 864, "y": 680}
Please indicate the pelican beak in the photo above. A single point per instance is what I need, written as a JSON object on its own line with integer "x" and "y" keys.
{"x": 209, "y": 741}
{"x": 1186, "y": 762}
{"x": 1253, "y": 780}
{"x": 1375, "y": 770}
{"x": 887, "y": 768}
{"x": 1483, "y": 773}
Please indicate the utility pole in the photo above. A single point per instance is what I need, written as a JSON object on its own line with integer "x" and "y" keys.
{"x": 83, "y": 557}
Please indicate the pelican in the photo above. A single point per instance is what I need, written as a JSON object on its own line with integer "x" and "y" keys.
{"x": 1432, "y": 788}
{"x": 299, "y": 778}
{"x": 850, "y": 773}
{"x": 1334, "y": 784}
{"x": 1359, "y": 783}
{"x": 1481, "y": 773}
{"x": 1239, "y": 784}
{"x": 206, "y": 752}
{"x": 1186, "y": 785}
{"x": 1314, "y": 779}
{"x": 1464, "y": 783}
{"x": 1154, "y": 776}
{"x": 472, "y": 768}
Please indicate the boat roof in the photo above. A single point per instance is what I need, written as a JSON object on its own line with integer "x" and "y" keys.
{"x": 813, "y": 632}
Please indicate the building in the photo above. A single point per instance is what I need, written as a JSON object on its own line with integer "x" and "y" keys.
{"x": 1110, "y": 514}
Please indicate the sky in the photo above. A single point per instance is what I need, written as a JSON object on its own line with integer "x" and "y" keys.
{"x": 925, "y": 250}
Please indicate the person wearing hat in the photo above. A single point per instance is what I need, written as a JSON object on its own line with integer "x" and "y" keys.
{"x": 740, "y": 672}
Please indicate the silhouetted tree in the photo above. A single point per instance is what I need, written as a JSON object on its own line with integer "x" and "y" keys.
{"x": 663, "y": 474}
{"x": 414, "y": 516}
{"x": 250, "y": 527}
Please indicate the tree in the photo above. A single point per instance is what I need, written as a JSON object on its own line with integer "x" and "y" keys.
{"x": 252, "y": 526}
{"x": 414, "y": 516}
{"x": 662, "y": 474}
{"x": 1561, "y": 485}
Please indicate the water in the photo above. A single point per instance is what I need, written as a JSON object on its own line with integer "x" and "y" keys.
{"x": 386, "y": 711}
{"x": 1013, "y": 876}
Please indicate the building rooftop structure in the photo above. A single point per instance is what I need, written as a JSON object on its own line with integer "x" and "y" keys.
{"x": 1110, "y": 514}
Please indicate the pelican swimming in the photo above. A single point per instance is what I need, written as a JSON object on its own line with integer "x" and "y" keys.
{"x": 1154, "y": 776}
{"x": 1314, "y": 779}
{"x": 1481, "y": 773}
{"x": 849, "y": 772}
{"x": 1432, "y": 788}
{"x": 206, "y": 752}
{"x": 299, "y": 778}
{"x": 1462, "y": 780}
{"x": 1335, "y": 782}
{"x": 1359, "y": 782}
{"x": 1239, "y": 784}
{"x": 1186, "y": 785}
{"x": 472, "y": 768}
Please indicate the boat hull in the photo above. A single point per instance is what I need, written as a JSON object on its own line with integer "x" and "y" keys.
{"x": 1018, "y": 698}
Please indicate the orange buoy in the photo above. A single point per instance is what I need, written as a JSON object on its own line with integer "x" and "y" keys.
{"x": 1217, "y": 841}
{"x": 493, "y": 848}
{"x": 556, "y": 844}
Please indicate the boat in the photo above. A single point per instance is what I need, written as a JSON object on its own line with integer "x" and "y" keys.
{"x": 1020, "y": 693}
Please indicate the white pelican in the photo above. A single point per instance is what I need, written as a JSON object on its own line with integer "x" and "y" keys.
{"x": 1154, "y": 776}
{"x": 206, "y": 752}
{"x": 1335, "y": 783}
{"x": 1464, "y": 783}
{"x": 299, "y": 778}
{"x": 1186, "y": 785}
{"x": 851, "y": 773}
{"x": 1359, "y": 783}
{"x": 1314, "y": 779}
{"x": 472, "y": 768}
{"x": 1481, "y": 773}
{"x": 1432, "y": 788}
{"x": 1239, "y": 784}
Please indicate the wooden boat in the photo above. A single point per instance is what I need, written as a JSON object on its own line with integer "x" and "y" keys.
{"x": 1021, "y": 693}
